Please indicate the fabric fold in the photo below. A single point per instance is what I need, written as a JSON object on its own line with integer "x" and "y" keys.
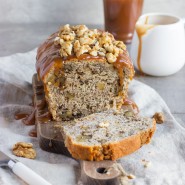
{"x": 165, "y": 153}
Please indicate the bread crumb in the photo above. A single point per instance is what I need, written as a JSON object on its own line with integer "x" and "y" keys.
{"x": 146, "y": 164}
{"x": 159, "y": 117}
{"x": 131, "y": 176}
{"x": 129, "y": 114}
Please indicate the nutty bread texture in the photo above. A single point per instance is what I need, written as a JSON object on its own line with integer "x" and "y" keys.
{"x": 108, "y": 135}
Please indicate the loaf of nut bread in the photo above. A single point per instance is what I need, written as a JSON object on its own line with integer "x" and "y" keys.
{"x": 108, "y": 135}
{"x": 83, "y": 71}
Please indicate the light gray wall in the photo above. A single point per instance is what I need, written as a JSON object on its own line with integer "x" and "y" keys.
{"x": 51, "y": 11}
{"x": 176, "y": 7}
{"x": 73, "y": 11}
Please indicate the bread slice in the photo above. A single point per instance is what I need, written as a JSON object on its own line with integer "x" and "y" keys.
{"x": 108, "y": 135}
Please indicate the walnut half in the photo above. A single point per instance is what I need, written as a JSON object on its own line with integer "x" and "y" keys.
{"x": 159, "y": 117}
{"x": 22, "y": 149}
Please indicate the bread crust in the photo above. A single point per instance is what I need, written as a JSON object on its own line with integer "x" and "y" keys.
{"x": 111, "y": 151}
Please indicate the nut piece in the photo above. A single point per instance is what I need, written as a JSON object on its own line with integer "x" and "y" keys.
{"x": 111, "y": 58}
{"x": 128, "y": 114}
{"x": 22, "y": 149}
{"x": 100, "y": 86}
{"x": 83, "y": 49}
{"x": 57, "y": 40}
{"x": 146, "y": 164}
{"x": 159, "y": 117}
{"x": 104, "y": 124}
{"x": 86, "y": 133}
{"x": 77, "y": 40}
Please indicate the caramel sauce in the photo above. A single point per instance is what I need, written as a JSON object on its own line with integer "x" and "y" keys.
{"x": 141, "y": 30}
{"x": 39, "y": 86}
{"x": 19, "y": 116}
{"x": 123, "y": 61}
{"x": 146, "y": 20}
{"x": 41, "y": 104}
{"x": 132, "y": 103}
{"x": 33, "y": 133}
{"x": 30, "y": 119}
{"x": 40, "y": 92}
{"x": 45, "y": 117}
{"x": 121, "y": 16}
{"x": 41, "y": 107}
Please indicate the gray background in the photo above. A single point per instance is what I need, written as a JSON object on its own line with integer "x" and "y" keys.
{"x": 73, "y": 11}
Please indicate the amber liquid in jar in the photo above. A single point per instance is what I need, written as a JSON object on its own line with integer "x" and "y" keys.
{"x": 121, "y": 16}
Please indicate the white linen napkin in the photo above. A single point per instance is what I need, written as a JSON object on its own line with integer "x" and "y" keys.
{"x": 165, "y": 153}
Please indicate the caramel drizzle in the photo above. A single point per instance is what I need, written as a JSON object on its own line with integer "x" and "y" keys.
{"x": 29, "y": 119}
{"x": 33, "y": 133}
{"x": 141, "y": 31}
{"x": 123, "y": 61}
{"x": 19, "y": 116}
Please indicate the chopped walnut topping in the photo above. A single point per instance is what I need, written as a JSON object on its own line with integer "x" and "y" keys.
{"x": 83, "y": 49}
{"x": 159, "y": 117}
{"x": 66, "y": 28}
{"x": 109, "y": 47}
{"x": 87, "y": 40}
{"x": 93, "y": 52}
{"x": 120, "y": 44}
{"x": 66, "y": 47}
{"x": 77, "y": 40}
{"x": 57, "y": 40}
{"x": 111, "y": 58}
{"x": 22, "y": 149}
{"x": 76, "y": 46}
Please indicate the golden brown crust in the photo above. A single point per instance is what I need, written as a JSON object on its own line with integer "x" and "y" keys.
{"x": 112, "y": 151}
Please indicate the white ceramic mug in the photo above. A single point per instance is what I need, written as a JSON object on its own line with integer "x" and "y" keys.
{"x": 158, "y": 45}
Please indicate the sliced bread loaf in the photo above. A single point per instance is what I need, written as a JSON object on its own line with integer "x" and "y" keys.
{"x": 107, "y": 136}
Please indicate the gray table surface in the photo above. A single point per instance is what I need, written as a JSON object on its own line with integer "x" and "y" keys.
{"x": 24, "y": 37}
